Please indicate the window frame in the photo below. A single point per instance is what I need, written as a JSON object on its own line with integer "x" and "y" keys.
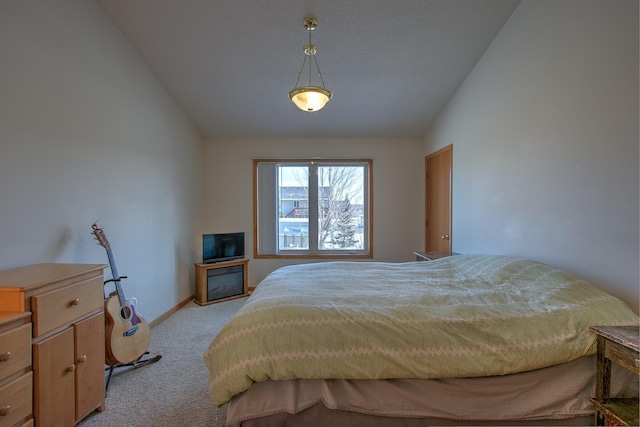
{"x": 312, "y": 253}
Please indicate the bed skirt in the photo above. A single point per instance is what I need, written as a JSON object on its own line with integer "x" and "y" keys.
{"x": 321, "y": 416}
{"x": 555, "y": 395}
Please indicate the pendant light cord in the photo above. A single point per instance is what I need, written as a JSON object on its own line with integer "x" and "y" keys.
{"x": 315, "y": 60}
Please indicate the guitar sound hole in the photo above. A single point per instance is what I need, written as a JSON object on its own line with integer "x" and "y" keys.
{"x": 125, "y": 313}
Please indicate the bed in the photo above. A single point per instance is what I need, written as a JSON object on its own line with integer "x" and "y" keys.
{"x": 467, "y": 339}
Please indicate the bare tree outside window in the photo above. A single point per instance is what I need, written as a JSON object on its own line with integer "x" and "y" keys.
{"x": 337, "y": 218}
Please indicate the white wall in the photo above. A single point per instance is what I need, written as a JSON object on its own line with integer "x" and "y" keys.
{"x": 545, "y": 138}
{"x": 87, "y": 133}
{"x": 398, "y": 195}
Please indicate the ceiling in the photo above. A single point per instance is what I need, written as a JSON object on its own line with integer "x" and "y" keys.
{"x": 392, "y": 65}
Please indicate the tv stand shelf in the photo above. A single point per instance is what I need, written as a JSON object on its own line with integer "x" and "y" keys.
{"x": 206, "y": 284}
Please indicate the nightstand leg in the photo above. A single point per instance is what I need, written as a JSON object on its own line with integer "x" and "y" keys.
{"x": 603, "y": 378}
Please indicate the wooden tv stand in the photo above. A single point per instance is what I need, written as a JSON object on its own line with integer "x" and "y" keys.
{"x": 201, "y": 280}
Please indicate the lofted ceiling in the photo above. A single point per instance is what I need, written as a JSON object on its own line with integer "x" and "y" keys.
{"x": 392, "y": 65}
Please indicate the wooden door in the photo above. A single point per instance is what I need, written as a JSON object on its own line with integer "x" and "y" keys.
{"x": 438, "y": 200}
{"x": 89, "y": 354}
{"x": 53, "y": 381}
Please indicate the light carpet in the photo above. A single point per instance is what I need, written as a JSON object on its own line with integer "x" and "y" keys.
{"x": 173, "y": 391}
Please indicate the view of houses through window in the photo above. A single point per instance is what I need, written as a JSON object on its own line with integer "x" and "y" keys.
{"x": 326, "y": 201}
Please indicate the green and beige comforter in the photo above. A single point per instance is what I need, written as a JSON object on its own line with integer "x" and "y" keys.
{"x": 461, "y": 316}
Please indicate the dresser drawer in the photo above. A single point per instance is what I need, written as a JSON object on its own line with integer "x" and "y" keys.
{"x": 15, "y": 350}
{"x": 63, "y": 305}
{"x": 15, "y": 400}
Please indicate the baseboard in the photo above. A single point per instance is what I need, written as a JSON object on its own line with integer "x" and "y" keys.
{"x": 170, "y": 312}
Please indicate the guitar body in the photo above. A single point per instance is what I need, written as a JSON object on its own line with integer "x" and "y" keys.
{"x": 127, "y": 334}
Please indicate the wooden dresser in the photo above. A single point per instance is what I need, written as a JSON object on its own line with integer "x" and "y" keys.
{"x": 16, "y": 378}
{"x": 67, "y": 306}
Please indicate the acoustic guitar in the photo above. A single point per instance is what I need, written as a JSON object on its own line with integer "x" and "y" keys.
{"x": 127, "y": 333}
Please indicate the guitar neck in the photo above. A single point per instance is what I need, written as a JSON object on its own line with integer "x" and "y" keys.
{"x": 116, "y": 278}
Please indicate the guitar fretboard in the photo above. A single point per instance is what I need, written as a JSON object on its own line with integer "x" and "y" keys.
{"x": 116, "y": 278}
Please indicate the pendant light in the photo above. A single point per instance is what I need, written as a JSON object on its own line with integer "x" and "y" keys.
{"x": 310, "y": 98}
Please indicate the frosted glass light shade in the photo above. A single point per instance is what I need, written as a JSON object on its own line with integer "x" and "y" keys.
{"x": 310, "y": 98}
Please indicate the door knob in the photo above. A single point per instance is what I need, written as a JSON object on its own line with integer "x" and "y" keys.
{"x": 445, "y": 237}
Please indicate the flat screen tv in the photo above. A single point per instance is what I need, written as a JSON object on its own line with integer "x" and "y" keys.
{"x": 219, "y": 247}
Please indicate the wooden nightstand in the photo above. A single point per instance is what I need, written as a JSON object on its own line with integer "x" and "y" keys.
{"x": 618, "y": 344}
{"x": 430, "y": 256}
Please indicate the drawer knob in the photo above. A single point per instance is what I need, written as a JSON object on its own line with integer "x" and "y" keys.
{"x": 4, "y": 411}
{"x": 82, "y": 358}
{"x": 71, "y": 368}
{"x": 4, "y": 357}
{"x": 74, "y": 301}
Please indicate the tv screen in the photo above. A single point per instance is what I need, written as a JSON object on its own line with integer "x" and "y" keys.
{"x": 220, "y": 247}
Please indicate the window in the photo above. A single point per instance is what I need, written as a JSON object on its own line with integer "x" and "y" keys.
{"x": 312, "y": 208}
